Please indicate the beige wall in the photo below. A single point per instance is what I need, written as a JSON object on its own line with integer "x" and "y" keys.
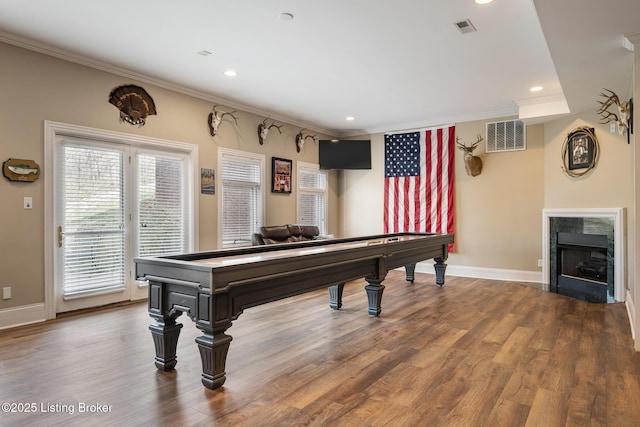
{"x": 37, "y": 87}
{"x": 498, "y": 222}
{"x": 610, "y": 184}
{"x": 498, "y": 214}
{"x": 490, "y": 209}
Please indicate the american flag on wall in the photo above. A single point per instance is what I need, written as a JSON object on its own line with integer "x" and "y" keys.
{"x": 418, "y": 181}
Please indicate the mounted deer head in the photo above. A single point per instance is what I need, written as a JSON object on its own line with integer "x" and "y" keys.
{"x": 301, "y": 137}
{"x": 215, "y": 118}
{"x": 472, "y": 164}
{"x": 624, "y": 111}
{"x": 263, "y": 130}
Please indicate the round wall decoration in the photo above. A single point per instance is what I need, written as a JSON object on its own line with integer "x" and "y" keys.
{"x": 134, "y": 103}
{"x": 580, "y": 151}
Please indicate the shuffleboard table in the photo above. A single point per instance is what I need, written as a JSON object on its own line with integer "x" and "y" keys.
{"x": 213, "y": 288}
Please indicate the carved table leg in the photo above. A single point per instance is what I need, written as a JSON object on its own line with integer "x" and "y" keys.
{"x": 410, "y": 271}
{"x": 335, "y": 296}
{"x": 165, "y": 334}
{"x": 374, "y": 295}
{"x": 440, "y": 268}
{"x": 213, "y": 354}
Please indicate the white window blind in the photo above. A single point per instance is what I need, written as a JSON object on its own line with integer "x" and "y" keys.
{"x": 161, "y": 204}
{"x": 241, "y": 187}
{"x": 93, "y": 218}
{"x": 312, "y": 196}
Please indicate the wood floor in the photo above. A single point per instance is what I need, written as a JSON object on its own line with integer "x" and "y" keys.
{"x": 473, "y": 353}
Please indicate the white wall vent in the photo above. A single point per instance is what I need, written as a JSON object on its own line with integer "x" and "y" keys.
{"x": 506, "y": 136}
{"x": 465, "y": 26}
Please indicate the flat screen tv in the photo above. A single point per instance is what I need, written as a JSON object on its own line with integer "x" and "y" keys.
{"x": 345, "y": 154}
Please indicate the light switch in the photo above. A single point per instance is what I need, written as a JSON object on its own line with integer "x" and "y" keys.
{"x": 28, "y": 203}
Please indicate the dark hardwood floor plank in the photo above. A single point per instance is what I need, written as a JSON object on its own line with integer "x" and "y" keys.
{"x": 472, "y": 353}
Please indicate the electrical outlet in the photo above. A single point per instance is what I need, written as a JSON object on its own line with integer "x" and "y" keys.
{"x": 28, "y": 202}
{"x": 6, "y": 292}
{"x": 539, "y": 263}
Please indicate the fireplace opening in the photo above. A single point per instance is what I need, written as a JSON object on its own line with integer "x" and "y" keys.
{"x": 583, "y": 265}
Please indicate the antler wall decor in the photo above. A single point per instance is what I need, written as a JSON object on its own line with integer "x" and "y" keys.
{"x": 624, "y": 111}
{"x": 134, "y": 103}
{"x": 301, "y": 137}
{"x": 215, "y": 118}
{"x": 472, "y": 164}
{"x": 263, "y": 130}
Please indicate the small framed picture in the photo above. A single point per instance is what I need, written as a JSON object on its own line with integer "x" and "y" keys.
{"x": 280, "y": 175}
{"x": 207, "y": 181}
{"x": 581, "y": 150}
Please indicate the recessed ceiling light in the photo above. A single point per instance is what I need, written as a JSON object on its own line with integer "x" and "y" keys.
{"x": 350, "y": 118}
{"x": 483, "y": 1}
{"x": 230, "y": 73}
{"x": 536, "y": 89}
{"x": 286, "y": 16}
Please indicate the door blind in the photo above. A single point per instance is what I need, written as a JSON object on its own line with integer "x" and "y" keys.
{"x": 93, "y": 219}
{"x": 161, "y": 204}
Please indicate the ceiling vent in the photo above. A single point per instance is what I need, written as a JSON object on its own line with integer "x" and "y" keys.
{"x": 465, "y": 26}
{"x": 506, "y": 136}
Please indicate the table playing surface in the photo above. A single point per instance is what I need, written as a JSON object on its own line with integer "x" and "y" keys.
{"x": 213, "y": 288}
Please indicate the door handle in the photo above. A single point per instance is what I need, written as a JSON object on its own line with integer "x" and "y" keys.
{"x": 60, "y": 236}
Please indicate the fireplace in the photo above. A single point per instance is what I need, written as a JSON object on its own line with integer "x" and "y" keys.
{"x": 583, "y": 253}
{"x": 582, "y": 267}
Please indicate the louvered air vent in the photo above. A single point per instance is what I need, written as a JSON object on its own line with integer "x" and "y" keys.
{"x": 506, "y": 136}
{"x": 465, "y": 26}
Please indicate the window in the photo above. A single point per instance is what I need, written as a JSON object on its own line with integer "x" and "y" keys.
{"x": 242, "y": 183}
{"x": 161, "y": 204}
{"x": 312, "y": 196}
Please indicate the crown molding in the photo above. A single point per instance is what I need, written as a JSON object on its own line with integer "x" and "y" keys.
{"x": 86, "y": 61}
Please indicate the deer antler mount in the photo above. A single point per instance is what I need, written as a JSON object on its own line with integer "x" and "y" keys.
{"x": 301, "y": 137}
{"x": 472, "y": 164}
{"x": 263, "y": 130}
{"x": 622, "y": 114}
{"x": 215, "y": 118}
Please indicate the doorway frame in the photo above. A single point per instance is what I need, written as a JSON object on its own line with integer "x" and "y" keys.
{"x": 52, "y": 130}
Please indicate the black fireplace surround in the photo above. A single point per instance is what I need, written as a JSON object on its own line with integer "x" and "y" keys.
{"x": 582, "y": 258}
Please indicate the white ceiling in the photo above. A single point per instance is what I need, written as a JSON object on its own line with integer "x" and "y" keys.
{"x": 393, "y": 65}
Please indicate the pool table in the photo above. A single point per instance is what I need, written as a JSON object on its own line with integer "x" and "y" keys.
{"x": 213, "y": 288}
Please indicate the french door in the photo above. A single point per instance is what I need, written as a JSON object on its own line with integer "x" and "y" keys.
{"x": 113, "y": 202}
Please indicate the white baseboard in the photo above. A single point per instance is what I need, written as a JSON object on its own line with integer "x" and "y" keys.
{"x": 631, "y": 310}
{"x": 23, "y": 315}
{"x": 485, "y": 273}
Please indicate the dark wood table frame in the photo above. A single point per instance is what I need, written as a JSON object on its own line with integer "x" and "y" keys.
{"x": 213, "y": 288}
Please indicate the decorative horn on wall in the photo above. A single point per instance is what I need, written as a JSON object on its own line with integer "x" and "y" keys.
{"x": 624, "y": 111}
{"x": 215, "y": 118}
{"x": 263, "y": 130}
{"x": 134, "y": 103}
{"x": 301, "y": 137}
{"x": 472, "y": 164}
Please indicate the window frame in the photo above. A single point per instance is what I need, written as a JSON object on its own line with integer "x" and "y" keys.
{"x": 300, "y": 190}
{"x": 254, "y": 158}
{"x": 53, "y": 130}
